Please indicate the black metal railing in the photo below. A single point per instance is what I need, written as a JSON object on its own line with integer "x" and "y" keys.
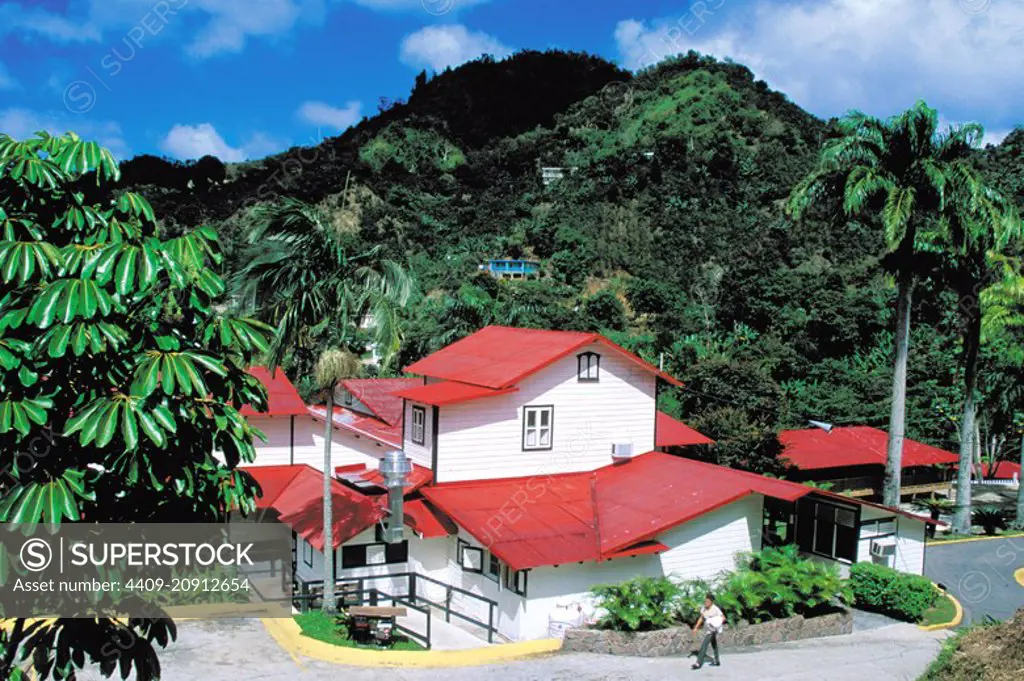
{"x": 355, "y": 591}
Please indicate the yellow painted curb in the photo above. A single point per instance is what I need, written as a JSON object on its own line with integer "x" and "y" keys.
{"x": 934, "y": 544}
{"x": 289, "y": 636}
{"x": 1019, "y": 576}
{"x": 953, "y": 623}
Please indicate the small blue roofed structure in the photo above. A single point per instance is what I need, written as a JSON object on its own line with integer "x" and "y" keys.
{"x": 512, "y": 269}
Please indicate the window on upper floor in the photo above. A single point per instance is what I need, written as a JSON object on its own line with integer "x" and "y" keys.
{"x": 538, "y": 426}
{"x": 419, "y": 425}
{"x": 348, "y": 399}
{"x": 588, "y": 367}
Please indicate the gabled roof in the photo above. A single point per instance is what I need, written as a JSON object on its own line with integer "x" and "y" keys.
{"x": 450, "y": 392}
{"x": 296, "y": 492}
{"x": 596, "y": 515}
{"x": 300, "y": 504}
{"x": 282, "y": 397}
{"x": 673, "y": 433}
{"x": 498, "y": 357}
{"x": 372, "y": 477}
{"x": 378, "y": 394}
{"x": 815, "y": 448}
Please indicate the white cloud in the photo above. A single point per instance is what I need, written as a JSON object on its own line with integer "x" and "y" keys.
{"x": 21, "y": 123}
{"x": 320, "y": 113}
{"x": 831, "y": 55}
{"x": 213, "y": 26}
{"x": 435, "y": 7}
{"x": 438, "y": 47}
{"x": 35, "y": 20}
{"x": 194, "y": 141}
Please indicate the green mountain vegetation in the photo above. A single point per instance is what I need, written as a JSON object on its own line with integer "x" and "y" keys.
{"x": 667, "y": 231}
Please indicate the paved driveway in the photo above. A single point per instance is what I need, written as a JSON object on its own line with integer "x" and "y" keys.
{"x": 980, "y": 575}
{"x": 242, "y": 649}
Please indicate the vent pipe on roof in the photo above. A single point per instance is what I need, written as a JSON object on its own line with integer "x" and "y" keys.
{"x": 827, "y": 427}
{"x": 395, "y": 468}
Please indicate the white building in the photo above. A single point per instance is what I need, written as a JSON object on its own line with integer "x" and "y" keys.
{"x": 536, "y": 476}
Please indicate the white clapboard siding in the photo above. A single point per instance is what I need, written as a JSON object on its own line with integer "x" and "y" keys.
{"x": 421, "y": 454}
{"x": 346, "y": 448}
{"x": 482, "y": 438}
{"x": 910, "y": 542}
{"x": 708, "y": 545}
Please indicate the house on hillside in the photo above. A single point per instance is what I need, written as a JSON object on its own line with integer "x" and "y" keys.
{"x": 511, "y": 269}
{"x": 852, "y": 459}
{"x": 534, "y": 475}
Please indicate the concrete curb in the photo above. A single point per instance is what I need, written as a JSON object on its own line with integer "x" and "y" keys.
{"x": 289, "y": 636}
{"x": 1019, "y": 576}
{"x": 934, "y": 544}
{"x": 953, "y": 623}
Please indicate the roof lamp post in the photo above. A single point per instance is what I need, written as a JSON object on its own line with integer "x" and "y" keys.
{"x": 395, "y": 468}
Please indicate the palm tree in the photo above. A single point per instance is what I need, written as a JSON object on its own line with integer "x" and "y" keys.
{"x": 1002, "y": 306}
{"x": 310, "y": 280}
{"x": 332, "y": 367}
{"x": 979, "y": 222}
{"x": 895, "y": 171}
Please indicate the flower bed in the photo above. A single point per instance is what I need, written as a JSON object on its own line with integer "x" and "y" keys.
{"x": 680, "y": 640}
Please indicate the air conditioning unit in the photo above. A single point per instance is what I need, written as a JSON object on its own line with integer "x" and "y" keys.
{"x": 883, "y": 548}
{"x": 622, "y": 450}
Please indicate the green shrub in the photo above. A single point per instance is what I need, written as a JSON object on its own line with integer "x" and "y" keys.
{"x": 776, "y": 582}
{"x": 991, "y": 519}
{"x": 691, "y": 600}
{"x": 638, "y": 604}
{"x": 881, "y": 589}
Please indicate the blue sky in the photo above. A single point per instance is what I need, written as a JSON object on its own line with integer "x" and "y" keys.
{"x": 246, "y": 78}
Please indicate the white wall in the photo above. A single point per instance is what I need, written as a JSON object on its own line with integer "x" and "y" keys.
{"x": 708, "y": 545}
{"x": 420, "y": 454}
{"x": 482, "y": 438}
{"x": 346, "y": 448}
{"x": 910, "y": 542}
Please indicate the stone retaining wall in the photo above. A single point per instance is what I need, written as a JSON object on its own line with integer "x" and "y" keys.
{"x": 680, "y": 640}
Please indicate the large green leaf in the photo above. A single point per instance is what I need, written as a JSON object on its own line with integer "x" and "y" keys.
{"x": 20, "y": 260}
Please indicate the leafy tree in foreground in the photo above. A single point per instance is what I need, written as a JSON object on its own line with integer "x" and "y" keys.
{"x": 117, "y": 381}
{"x": 897, "y": 171}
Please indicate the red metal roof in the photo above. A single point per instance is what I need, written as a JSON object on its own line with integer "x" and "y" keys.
{"x": 272, "y": 481}
{"x": 378, "y": 394}
{"x": 1002, "y": 470}
{"x": 300, "y": 505}
{"x": 449, "y": 392}
{"x": 552, "y": 520}
{"x": 419, "y": 476}
{"x": 282, "y": 397}
{"x": 814, "y": 448}
{"x": 673, "y": 433}
{"x": 360, "y": 424}
{"x": 424, "y": 519}
{"x": 499, "y": 357}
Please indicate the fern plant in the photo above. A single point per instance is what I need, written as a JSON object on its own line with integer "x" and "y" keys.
{"x": 638, "y": 604}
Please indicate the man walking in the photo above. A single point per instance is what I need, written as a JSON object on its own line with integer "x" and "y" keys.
{"x": 713, "y": 619}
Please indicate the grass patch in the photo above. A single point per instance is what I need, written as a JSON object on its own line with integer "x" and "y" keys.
{"x": 941, "y": 613}
{"x": 319, "y": 626}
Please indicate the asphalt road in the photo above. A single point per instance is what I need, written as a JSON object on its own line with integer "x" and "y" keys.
{"x": 230, "y": 650}
{"x": 980, "y": 575}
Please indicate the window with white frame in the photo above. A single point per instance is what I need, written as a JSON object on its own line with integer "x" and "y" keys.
{"x": 538, "y": 425}
{"x": 588, "y": 367}
{"x": 419, "y": 425}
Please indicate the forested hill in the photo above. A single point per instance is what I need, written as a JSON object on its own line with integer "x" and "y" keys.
{"x": 666, "y": 232}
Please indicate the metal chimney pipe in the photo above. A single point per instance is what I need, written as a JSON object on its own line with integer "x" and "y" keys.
{"x": 395, "y": 467}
